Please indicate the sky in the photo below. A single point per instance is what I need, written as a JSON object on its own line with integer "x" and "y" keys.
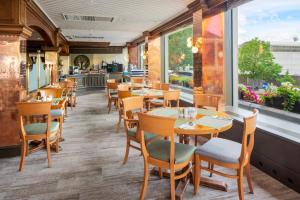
{"x": 269, "y": 20}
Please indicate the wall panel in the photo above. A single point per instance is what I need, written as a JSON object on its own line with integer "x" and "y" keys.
{"x": 154, "y": 59}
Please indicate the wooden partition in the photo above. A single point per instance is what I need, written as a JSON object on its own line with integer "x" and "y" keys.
{"x": 154, "y": 59}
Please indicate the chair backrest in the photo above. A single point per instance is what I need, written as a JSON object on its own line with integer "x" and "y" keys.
{"x": 111, "y": 80}
{"x": 164, "y": 129}
{"x": 248, "y": 137}
{"x": 123, "y": 87}
{"x": 112, "y": 86}
{"x": 170, "y": 96}
{"x": 132, "y": 104}
{"x": 54, "y": 92}
{"x": 165, "y": 86}
{"x": 209, "y": 100}
{"x": 122, "y": 94}
{"x": 156, "y": 85}
{"x": 137, "y": 80}
{"x": 33, "y": 109}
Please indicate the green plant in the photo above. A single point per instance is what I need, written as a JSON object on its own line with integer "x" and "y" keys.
{"x": 291, "y": 95}
{"x": 270, "y": 92}
{"x": 256, "y": 61}
{"x": 249, "y": 94}
{"x": 286, "y": 78}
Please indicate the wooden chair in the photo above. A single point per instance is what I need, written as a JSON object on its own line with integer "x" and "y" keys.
{"x": 137, "y": 80}
{"x": 165, "y": 154}
{"x": 156, "y": 85}
{"x": 207, "y": 101}
{"x": 57, "y": 113}
{"x": 229, "y": 154}
{"x": 111, "y": 81}
{"x": 122, "y": 94}
{"x": 112, "y": 97}
{"x": 171, "y": 96}
{"x": 158, "y": 102}
{"x": 123, "y": 87}
{"x": 70, "y": 93}
{"x": 48, "y": 132}
{"x": 131, "y": 107}
{"x": 165, "y": 86}
{"x": 54, "y": 92}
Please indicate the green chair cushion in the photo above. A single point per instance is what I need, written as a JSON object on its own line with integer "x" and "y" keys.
{"x": 157, "y": 101}
{"x": 40, "y": 128}
{"x": 160, "y": 150}
{"x": 57, "y": 112}
{"x": 148, "y": 136}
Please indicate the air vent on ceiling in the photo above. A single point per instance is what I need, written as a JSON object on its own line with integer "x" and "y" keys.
{"x": 70, "y": 37}
{"x": 69, "y": 17}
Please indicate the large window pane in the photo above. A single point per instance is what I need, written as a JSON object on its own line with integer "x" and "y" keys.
{"x": 180, "y": 58}
{"x": 269, "y": 54}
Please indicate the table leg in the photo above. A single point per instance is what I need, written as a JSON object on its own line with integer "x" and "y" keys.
{"x": 182, "y": 184}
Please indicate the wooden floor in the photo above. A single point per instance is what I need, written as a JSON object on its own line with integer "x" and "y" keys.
{"x": 90, "y": 166}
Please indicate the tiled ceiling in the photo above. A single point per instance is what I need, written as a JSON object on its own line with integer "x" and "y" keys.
{"x": 130, "y": 17}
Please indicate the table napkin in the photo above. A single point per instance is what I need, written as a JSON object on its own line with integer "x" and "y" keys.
{"x": 214, "y": 122}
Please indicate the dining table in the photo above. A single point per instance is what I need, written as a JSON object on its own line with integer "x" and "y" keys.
{"x": 148, "y": 93}
{"x": 191, "y": 121}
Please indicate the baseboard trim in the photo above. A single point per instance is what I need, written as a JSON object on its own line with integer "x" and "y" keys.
{"x": 10, "y": 151}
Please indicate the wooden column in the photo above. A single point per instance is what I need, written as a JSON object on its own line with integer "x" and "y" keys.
{"x": 13, "y": 32}
{"x": 197, "y": 33}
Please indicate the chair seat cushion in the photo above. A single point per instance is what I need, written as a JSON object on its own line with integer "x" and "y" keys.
{"x": 221, "y": 150}
{"x": 40, "y": 128}
{"x": 157, "y": 101}
{"x": 160, "y": 150}
{"x": 148, "y": 136}
{"x": 57, "y": 113}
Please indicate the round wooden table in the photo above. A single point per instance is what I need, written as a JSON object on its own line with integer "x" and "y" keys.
{"x": 148, "y": 93}
{"x": 205, "y": 122}
{"x": 134, "y": 85}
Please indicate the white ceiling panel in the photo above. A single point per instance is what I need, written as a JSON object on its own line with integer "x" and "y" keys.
{"x": 130, "y": 17}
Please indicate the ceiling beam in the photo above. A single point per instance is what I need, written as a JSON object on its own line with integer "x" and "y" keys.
{"x": 88, "y": 44}
{"x": 101, "y": 50}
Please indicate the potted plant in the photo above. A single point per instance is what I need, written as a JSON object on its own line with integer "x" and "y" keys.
{"x": 290, "y": 94}
{"x": 272, "y": 98}
{"x": 249, "y": 95}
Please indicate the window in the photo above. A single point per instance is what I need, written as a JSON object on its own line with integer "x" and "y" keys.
{"x": 269, "y": 54}
{"x": 179, "y": 58}
{"x": 142, "y": 56}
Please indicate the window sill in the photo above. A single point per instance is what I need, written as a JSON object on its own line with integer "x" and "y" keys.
{"x": 279, "y": 126}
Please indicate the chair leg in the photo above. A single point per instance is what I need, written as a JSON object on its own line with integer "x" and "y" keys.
{"x": 61, "y": 119}
{"x": 145, "y": 183}
{"x": 197, "y": 174}
{"x": 48, "y": 152}
{"x": 58, "y": 137}
{"x": 23, "y": 154}
{"x": 196, "y": 140}
{"x": 119, "y": 122}
{"x": 240, "y": 183}
{"x": 109, "y": 106}
{"x": 172, "y": 183}
{"x": 160, "y": 172}
{"x": 212, "y": 168}
{"x": 126, "y": 152}
{"x": 249, "y": 178}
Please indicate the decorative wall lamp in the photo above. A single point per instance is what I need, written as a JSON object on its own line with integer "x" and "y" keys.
{"x": 144, "y": 55}
{"x": 195, "y": 45}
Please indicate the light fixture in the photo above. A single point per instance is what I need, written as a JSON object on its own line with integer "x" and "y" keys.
{"x": 195, "y": 49}
{"x": 195, "y": 44}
